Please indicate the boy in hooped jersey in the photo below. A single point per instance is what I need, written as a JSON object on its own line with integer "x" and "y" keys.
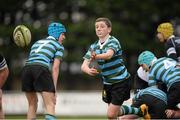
{"x": 163, "y": 69}
{"x": 45, "y": 55}
{"x": 107, "y": 52}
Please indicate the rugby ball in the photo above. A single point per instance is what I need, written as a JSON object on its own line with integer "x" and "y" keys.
{"x": 22, "y": 36}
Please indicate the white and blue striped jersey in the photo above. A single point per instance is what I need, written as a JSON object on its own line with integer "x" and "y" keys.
{"x": 165, "y": 70}
{"x": 3, "y": 63}
{"x": 152, "y": 91}
{"x": 112, "y": 70}
{"x": 44, "y": 51}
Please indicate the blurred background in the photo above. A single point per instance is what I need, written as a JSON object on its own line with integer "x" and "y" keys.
{"x": 134, "y": 24}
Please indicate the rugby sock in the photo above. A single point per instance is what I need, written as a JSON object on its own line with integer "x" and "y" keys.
{"x": 129, "y": 110}
{"x": 49, "y": 117}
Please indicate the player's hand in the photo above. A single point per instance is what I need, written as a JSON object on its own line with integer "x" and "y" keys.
{"x": 93, "y": 71}
{"x": 93, "y": 56}
{"x": 170, "y": 113}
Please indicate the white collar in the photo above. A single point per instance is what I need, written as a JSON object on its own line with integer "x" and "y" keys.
{"x": 171, "y": 36}
{"x": 102, "y": 44}
{"x": 142, "y": 74}
{"x": 152, "y": 62}
{"x": 51, "y": 37}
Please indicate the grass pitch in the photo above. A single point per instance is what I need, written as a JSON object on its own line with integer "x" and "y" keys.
{"x": 41, "y": 117}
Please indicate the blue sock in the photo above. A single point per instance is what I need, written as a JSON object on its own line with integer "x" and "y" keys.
{"x": 49, "y": 117}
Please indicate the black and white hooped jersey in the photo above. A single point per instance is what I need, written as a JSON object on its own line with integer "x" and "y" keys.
{"x": 3, "y": 63}
{"x": 172, "y": 47}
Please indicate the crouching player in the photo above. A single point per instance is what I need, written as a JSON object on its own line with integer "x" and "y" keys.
{"x": 151, "y": 97}
{"x": 163, "y": 69}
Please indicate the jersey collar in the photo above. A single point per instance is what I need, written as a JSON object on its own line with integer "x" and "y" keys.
{"x": 51, "y": 37}
{"x": 172, "y": 36}
{"x": 102, "y": 44}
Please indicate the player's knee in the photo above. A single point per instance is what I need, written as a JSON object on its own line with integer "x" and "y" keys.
{"x": 112, "y": 115}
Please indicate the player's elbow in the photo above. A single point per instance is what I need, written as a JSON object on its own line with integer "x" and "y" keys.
{"x": 83, "y": 67}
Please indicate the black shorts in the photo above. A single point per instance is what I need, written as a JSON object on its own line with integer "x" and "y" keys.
{"x": 116, "y": 93}
{"x": 36, "y": 78}
{"x": 173, "y": 95}
{"x": 156, "y": 106}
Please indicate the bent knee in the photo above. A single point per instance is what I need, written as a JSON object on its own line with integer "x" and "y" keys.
{"x": 112, "y": 115}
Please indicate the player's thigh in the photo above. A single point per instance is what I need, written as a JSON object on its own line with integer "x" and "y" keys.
{"x": 158, "y": 109}
{"x": 139, "y": 101}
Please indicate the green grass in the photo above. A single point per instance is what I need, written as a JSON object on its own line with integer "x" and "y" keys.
{"x": 40, "y": 117}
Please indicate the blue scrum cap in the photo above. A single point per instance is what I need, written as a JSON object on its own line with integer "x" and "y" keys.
{"x": 146, "y": 57}
{"x": 55, "y": 29}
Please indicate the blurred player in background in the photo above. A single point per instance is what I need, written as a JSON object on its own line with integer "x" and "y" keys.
{"x": 4, "y": 72}
{"x": 166, "y": 70}
{"x": 165, "y": 34}
{"x": 45, "y": 55}
{"x": 107, "y": 52}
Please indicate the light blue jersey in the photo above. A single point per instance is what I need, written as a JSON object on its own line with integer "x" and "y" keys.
{"x": 164, "y": 69}
{"x": 112, "y": 70}
{"x": 44, "y": 51}
{"x": 152, "y": 91}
